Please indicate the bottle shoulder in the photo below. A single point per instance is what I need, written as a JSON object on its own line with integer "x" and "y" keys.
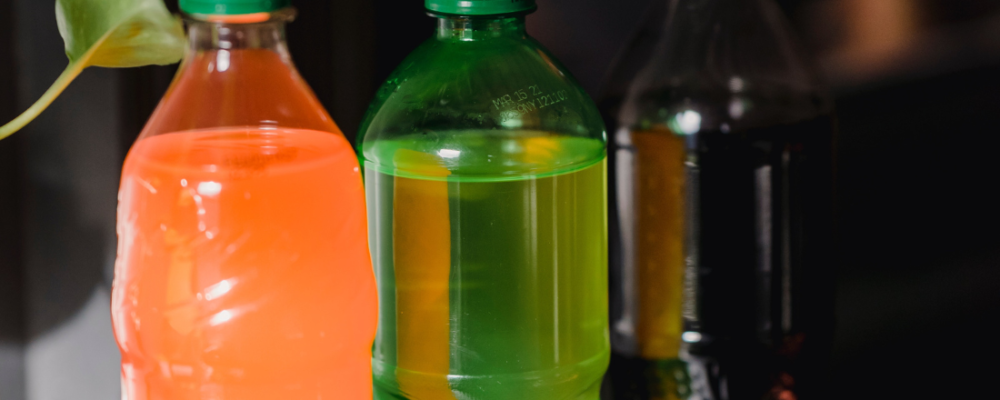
{"x": 502, "y": 84}
{"x": 682, "y": 107}
{"x": 238, "y": 88}
{"x": 737, "y": 65}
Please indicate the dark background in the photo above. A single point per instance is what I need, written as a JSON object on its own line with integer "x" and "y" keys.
{"x": 917, "y": 89}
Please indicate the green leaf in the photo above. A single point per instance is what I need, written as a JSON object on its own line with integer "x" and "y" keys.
{"x": 109, "y": 33}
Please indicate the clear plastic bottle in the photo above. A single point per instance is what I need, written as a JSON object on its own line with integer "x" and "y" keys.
{"x": 243, "y": 269}
{"x": 723, "y": 160}
{"x": 485, "y": 173}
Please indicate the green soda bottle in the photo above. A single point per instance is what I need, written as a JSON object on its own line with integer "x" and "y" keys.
{"x": 486, "y": 178}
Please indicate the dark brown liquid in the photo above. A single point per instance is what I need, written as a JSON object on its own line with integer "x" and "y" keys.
{"x": 758, "y": 258}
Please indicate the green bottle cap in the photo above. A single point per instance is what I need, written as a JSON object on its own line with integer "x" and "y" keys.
{"x": 231, "y": 7}
{"x": 479, "y": 7}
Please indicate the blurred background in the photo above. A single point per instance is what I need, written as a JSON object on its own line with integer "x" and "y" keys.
{"x": 917, "y": 90}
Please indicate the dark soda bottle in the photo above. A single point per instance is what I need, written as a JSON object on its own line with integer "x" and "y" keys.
{"x": 722, "y": 212}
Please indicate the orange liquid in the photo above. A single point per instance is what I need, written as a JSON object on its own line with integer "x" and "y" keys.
{"x": 243, "y": 268}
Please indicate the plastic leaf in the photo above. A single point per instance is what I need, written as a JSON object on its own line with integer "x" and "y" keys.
{"x": 109, "y": 33}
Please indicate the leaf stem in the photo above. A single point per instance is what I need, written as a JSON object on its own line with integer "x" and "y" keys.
{"x": 67, "y": 76}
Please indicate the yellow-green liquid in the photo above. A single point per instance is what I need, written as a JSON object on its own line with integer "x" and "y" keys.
{"x": 492, "y": 269}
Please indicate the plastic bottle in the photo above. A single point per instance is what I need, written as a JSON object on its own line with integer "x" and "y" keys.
{"x": 723, "y": 175}
{"x": 485, "y": 178}
{"x": 243, "y": 269}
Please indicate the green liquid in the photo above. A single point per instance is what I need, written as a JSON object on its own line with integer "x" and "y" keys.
{"x": 493, "y": 273}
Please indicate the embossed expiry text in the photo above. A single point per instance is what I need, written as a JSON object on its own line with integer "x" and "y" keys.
{"x": 528, "y": 99}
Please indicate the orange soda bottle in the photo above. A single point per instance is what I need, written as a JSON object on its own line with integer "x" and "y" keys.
{"x": 243, "y": 269}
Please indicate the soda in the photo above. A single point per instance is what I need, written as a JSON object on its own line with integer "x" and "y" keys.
{"x": 491, "y": 268}
{"x": 236, "y": 271}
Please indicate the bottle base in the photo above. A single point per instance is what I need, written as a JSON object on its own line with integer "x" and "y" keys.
{"x": 580, "y": 381}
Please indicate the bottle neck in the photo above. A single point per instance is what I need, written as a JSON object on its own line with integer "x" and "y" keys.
{"x": 212, "y": 34}
{"x": 468, "y": 29}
